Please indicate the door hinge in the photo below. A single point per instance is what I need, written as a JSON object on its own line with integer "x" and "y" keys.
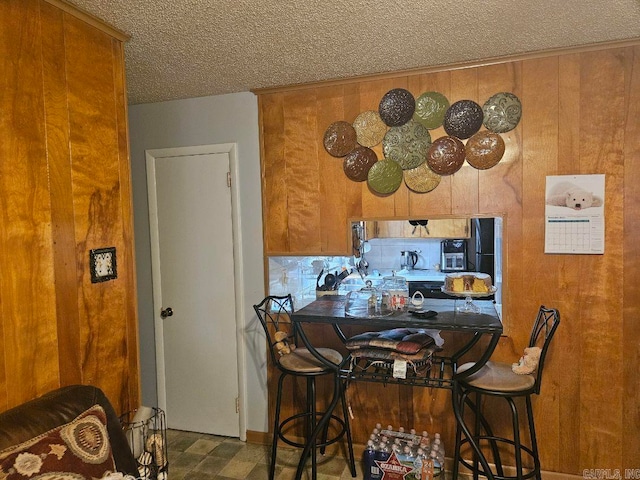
{"x": 229, "y": 179}
{"x": 237, "y": 404}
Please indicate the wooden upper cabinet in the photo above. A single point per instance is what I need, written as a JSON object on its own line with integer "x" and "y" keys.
{"x": 435, "y": 228}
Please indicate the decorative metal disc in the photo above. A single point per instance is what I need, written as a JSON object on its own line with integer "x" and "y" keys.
{"x": 421, "y": 179}
{"x": 463, "y": 118}
{"x": 407, "y": 144}
{"x": 484, "y": 150}
{"x": 446, "y": 155}
{"x": 385, "y": 177}
{"x": 370, "y": 128}
{"x": 430, "y": 109}
{"x": 339, "y": 139}
{"x": 502, "y": 112}
{"x": 396, "y": 107}
{"x": 358, "y": 162}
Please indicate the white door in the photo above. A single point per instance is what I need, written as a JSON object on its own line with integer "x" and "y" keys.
{"x": 193, "y": 269}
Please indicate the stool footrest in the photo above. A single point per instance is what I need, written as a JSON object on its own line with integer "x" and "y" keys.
{"x": 532, "y": 473}
{"x": 328, "y": 441}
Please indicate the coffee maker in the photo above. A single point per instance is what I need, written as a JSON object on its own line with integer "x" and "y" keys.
{"x": 453, "y": 255}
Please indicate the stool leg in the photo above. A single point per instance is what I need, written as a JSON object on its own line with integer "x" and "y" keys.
{"x": 534, "y": 441}
{"x": 276, "y": 429}
{"x": 458, "y": 392}
{"x": 476, "y": 412}
{"x": 456, "y": 453}
{"x": 494, "y": 445}
{"x": 347, "y": 426}
{"x": 516, "y": 437}
{"x": 311, "y": 409}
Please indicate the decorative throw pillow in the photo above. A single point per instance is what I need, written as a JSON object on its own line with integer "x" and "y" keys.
{"x": 78, "y": 450}
{"x": 404, "y": 340}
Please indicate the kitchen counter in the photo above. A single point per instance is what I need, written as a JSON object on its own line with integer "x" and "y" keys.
{"x": 354, "y": 281}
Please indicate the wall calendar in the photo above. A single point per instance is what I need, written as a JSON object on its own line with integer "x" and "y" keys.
{"x": 574, "y": 214}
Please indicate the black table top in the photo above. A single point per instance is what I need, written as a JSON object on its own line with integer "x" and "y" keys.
{"x": 331, "y": 309}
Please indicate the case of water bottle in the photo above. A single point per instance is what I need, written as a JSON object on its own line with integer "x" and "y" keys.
{"x": 399, "y": 455}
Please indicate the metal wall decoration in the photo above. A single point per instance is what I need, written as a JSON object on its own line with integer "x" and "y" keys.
{"x": 402, "y": 123}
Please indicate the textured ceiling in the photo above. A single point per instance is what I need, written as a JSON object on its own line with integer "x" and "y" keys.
{"x": 193, "y": 48}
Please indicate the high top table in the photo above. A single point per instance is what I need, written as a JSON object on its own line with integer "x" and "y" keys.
{"x": 330, "y": 310}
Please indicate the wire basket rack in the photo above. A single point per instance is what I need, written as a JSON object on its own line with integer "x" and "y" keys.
{"x": 146, "y": 432}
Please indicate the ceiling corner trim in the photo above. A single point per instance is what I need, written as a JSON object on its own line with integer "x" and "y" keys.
{"x": 632, "y": 42}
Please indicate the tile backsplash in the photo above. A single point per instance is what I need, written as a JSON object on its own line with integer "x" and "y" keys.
{"x": 385, "y": 253}
{"x": 299, "y": 275}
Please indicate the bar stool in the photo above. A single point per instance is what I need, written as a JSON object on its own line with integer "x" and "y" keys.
{"x": 498, "y": 380}
{"x": 274, "y": 314}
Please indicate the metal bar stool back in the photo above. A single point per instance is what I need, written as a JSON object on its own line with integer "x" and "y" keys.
{"x": 500, "y": 380}
{"x": 274, "y": 313}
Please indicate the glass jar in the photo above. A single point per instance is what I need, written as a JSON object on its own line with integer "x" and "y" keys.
{"x": 364, "y": 302}
{"x": 396, "y": 289}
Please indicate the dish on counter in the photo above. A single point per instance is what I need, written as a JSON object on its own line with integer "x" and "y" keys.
{"x": 423, "y": 313}
{"x": 491, "y": 291}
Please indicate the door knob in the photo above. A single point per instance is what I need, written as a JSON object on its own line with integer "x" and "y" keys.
{"x": 166, "y": 312}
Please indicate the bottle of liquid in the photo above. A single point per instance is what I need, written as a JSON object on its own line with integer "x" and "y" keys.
{"x": 383, "y": 452}
{"x": 439, "y": 447}
{"x": 368, "y": 461}
{"x": 436, "y": 465}
{"x": 425, "y": 442}
{"x": 419, "y": 461}
{"x": 409, "y": 456}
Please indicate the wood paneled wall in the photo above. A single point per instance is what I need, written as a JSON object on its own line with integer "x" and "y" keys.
{"x": 581, "y": 112}
{"x": 64, "y": 189}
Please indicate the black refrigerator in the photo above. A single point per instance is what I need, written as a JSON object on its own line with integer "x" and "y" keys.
{"x": 484, "y": 245}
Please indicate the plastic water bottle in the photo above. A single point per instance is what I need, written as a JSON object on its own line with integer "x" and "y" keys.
{"x": 435, "y": 449}
{"x": 440, "y": 446}
{"x": 437, "y": 466}
{"x": 368, "y": 460}
{"x": 409, "y": 456}
{"x": 383, "y": 452}
{"x": 425, "y": 443}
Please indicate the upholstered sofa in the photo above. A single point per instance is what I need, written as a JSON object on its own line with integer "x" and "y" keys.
{"x": 72, "y": 431}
